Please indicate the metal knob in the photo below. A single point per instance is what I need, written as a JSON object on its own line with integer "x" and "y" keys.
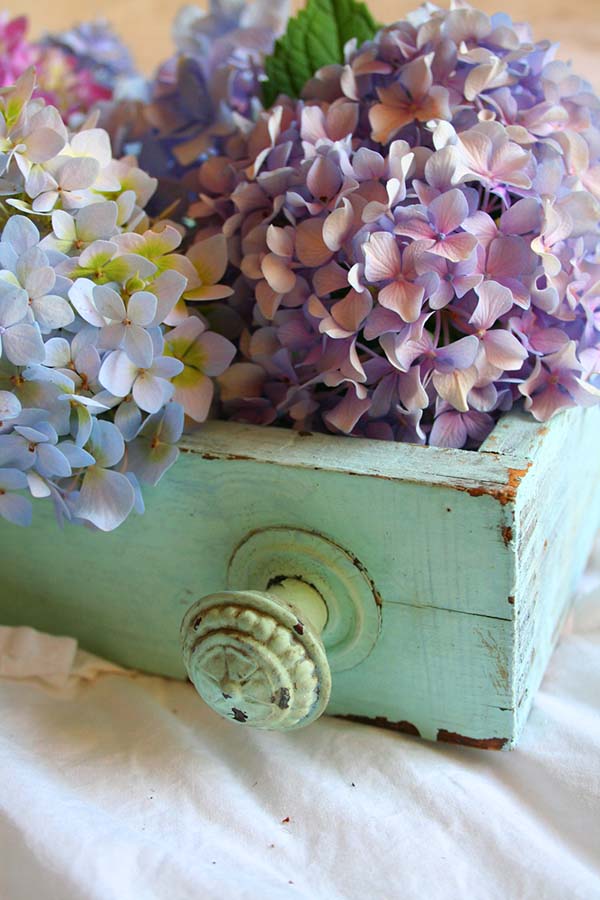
{"x": 257, "y": 657}
{"x": 260, "y": 654}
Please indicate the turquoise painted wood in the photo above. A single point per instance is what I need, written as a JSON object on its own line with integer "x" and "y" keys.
{"x": 460, "y": 565}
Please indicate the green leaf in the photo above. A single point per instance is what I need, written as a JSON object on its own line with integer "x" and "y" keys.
{"x": 314, "y": 38}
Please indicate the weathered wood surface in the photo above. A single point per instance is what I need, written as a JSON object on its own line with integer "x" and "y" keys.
{"x": 474, "y": 556}
{"x": 256, "y": 657}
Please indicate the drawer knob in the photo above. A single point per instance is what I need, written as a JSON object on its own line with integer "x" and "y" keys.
{"x": 256, "y": 657}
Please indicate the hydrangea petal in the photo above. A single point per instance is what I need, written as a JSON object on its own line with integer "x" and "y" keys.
{"x": 63, "y": 226}
{"x": 128, "y": 419}
{"x": 21, "y": 233}
{"x": 404, "y": 298}
{"x": 167, "y": 288}
{"x": 459, "y": 354}
{"x": 38, "y": 486}
{"x": 52, "y": 312}
{"x": 138, "y": 346}
{"x": 337, "y": 226}
{"x": 195, "y": 392}
{"x": 278, "y": 274}
{"x": 13, "y": 304}
{"x": 209, "y": 258}
{"x": 12, "y": 480}
{"x": 382, "y": 257}
{"x": 218, "y": 352}
{"x": 448, "y": 430}
{"x": 22, "y": 344}
{"x": 347, "y": 413}
{"x": 117, "y": 373}
{"x": 151, "y": 462}
{"x": 52, "y": 462}
{"x": 449, "y": 210}
{"x": 167, "y": 367}
{"x": 77, "y": 457}
{"x": 106, "y": 498}
{"x": 81, "y": 295}
{"x": 504, "y": 350}
{"x": 108, "y": 303}
{"x": 209, "y": 292}
{"x": 172, "y": 421}
{"x": 10, "y": 406}
{"x": 141, "y": 308}
{"x": 98, "y": 220}
{"x": 454, "y": 386}
{"x": 494, "y": 301}
{"x": 79, "y": 173}
{"x": 16, "y": 509}
{"x": 311, "y": 249}
{"x": 106, "y": 444}
{"x": 151, "y": 392}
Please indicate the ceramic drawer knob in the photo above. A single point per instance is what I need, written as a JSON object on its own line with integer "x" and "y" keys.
{"x": 257, "y": 657}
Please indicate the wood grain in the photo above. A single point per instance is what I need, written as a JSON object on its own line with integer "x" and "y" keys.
{"x": 473, "y": 557}
{"x": 146, "y": 24}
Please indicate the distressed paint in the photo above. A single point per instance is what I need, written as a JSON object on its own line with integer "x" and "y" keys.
{"x": 473, "y": 557}
{"x": 253, "y": 660}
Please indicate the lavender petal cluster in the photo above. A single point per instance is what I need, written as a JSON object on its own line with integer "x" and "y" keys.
{"x": 414, "y": 245}
{"x": 97, "y": 65}
{"x": 203, "y": 96}
{"x": 101, "y": 357}
{"x": 97, "y": 48}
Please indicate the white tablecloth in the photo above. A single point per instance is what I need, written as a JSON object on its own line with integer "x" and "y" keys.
{"x": 118, "y": 786}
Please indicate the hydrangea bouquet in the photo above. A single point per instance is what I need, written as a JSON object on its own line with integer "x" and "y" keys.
{"x": 322, "y": 223}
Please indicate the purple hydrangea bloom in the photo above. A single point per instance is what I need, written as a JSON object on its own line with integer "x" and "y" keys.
{"x": 204, "y": 95}
{"x": 97, "y": 48}
{"x": 414, "y": 245}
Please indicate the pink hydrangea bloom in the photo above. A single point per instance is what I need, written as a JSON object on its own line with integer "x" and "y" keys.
{"x": 16, "y": 53}
{"x": 74, "y": 71}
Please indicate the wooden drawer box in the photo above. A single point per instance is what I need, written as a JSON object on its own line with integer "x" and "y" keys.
{"x": 469, "y": 558}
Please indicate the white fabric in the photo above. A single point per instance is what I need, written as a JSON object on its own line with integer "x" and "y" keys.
{"x": 118, "y": 786}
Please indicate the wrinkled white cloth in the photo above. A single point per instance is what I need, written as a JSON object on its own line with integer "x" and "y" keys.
{"x": 29, "y": 655}
{"x": 120, "y": 786}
